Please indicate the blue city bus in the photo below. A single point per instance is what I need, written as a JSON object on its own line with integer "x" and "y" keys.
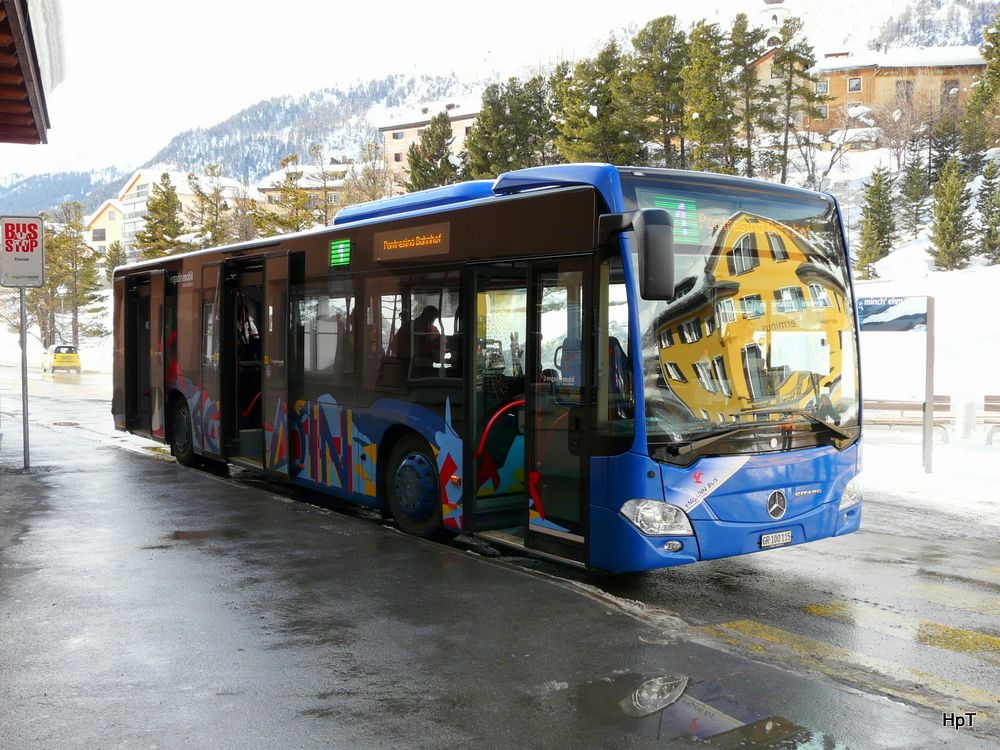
{"x": 618, "y": 368}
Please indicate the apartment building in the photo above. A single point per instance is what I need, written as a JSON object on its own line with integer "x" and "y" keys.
{"x": 134, "y": 197}
{"x": 403, "y": 128}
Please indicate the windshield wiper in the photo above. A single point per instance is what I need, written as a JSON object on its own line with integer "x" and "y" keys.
{"x": 695, "y": 445}
{"x": 834, "y": 428}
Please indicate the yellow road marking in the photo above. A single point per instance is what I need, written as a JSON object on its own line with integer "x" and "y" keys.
{"x": 969, "y": 642}
{"x": 902, "y": 682}
{"x": 991, "y": 575}
{"x": 968, "y": 600}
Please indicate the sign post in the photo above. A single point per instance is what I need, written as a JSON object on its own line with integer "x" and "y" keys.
{"x": 22, "y": 264}
{"x": 908, "y": 314}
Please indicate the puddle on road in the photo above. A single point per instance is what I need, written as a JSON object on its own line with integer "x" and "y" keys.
{"x": 676, "y": 707}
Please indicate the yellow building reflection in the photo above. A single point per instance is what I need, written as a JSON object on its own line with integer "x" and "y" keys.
{"x": 763, "y": 325}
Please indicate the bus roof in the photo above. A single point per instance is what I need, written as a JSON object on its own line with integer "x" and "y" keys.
{"x": 461, "y": 192}
{"x": 602, "y": 176}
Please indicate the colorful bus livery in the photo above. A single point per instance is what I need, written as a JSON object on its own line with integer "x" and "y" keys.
{"x": 619, "y": 369}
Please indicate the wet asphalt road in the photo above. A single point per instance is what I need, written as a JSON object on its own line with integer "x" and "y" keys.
{"x": 147, "y": 605}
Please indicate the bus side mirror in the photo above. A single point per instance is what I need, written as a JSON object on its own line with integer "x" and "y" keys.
{"x": 653, "y": 229}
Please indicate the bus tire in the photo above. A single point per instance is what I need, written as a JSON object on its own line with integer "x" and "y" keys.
{"x": 413, "y": 489}
{"x": 181, "y": 434}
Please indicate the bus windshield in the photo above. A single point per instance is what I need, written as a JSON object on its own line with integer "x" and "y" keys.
{"x": 755, "y": 352}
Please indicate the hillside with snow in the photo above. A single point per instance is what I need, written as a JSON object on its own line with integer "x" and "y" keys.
{"x": 250, "y": 143}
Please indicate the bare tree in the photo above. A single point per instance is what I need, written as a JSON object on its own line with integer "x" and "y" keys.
{"x": 904, "y": 117}
{"x": 369, "y": 180}
{"x": 817, "y": 155}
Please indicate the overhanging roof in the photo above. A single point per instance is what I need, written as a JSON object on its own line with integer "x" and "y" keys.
{"x": 23, "y": 114}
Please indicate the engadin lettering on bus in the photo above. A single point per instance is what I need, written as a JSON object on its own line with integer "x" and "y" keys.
{"x": 415, "y": 242}
{"x": 22, "y": 251}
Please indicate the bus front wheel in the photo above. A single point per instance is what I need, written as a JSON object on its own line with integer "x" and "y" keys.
{"x": 182, "y": 436}
{"x": 413, "y": 489}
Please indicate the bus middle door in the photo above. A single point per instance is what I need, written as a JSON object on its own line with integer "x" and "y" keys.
{"x": 274, "y": 381}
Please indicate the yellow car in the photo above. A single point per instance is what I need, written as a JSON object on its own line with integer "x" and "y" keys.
{"x": 61, "y": 357}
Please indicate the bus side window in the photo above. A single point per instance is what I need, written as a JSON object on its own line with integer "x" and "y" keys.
{"x": 616, "y": 397}
{"x": 431, "y": 328}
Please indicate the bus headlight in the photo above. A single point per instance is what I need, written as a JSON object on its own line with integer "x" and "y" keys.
{"x": 656, "y": 518}
{"x": 653, "y": 695}
{"x": 852, "y": 494}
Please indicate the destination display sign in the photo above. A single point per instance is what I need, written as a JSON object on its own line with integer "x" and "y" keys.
{"x": 893, "y": 313}
{"x": 22, "y": 251}
{"x": 414, "y": 242}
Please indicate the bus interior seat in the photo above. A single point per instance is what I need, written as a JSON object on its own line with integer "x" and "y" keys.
{"x": 567, "y": 359}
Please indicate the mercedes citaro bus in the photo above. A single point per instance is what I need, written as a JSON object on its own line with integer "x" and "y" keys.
{"x": 618, "y": 368}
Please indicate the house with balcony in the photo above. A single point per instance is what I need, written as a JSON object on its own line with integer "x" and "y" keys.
{"x": 931, "y": 80}
{"x": 934, "y": 80}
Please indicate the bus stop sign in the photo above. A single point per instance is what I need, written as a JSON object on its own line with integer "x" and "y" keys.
{"x": 22, "y": 251}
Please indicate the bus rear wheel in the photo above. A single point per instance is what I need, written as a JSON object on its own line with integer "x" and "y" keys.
{"x": 181, "y": 435}
{"x": 413, "y": 489}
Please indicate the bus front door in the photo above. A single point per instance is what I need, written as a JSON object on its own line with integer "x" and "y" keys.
{"x": 530, "y": 389}
{"x": 557, "y": 401}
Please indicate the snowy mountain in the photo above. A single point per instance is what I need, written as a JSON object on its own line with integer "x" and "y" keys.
{"x": 935, "y": 23}
{"x": 863, "y": 24}
{"x": 250, "y": 144}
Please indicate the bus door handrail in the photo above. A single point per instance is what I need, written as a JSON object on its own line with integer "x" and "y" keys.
{"x": 489, "y": 425}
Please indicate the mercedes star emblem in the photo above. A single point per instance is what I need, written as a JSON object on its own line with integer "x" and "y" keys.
{"x": 776, "y": 505}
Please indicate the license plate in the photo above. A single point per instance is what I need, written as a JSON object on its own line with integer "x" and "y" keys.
{"x": 777, "y": 539}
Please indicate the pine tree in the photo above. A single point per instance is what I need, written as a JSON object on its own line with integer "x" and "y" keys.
{"x": 974, "y": 138}
{"x": 988, "y": 205}
{"x": 293, "y": 209}
{"x": 161, "y": 235}
{"x": 708, "y": 119}
{"x": 945, "y": 143}
{"x": 656, "y": 87}
{"x": 979, "y": 122}
{"x": 878, "y": 225}
{"x": 797, "y": 97}
{"x": 755, "y": 103}
{"x": 210, "y": 214}
{"x": 951, "y": 229}
{"x": 114, "y": 257}
{"x": 595, "y": 119}
{"x": 432, "y": 163}
{"x": 513, "y": 130}
{"x": 913, "y": 195}
{"x": 72, "y": 283}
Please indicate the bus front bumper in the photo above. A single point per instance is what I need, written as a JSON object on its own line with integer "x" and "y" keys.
{"x": 619, "y": 547}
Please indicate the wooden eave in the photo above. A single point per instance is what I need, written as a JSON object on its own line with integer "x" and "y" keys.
{"x": 24, "y": 117}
